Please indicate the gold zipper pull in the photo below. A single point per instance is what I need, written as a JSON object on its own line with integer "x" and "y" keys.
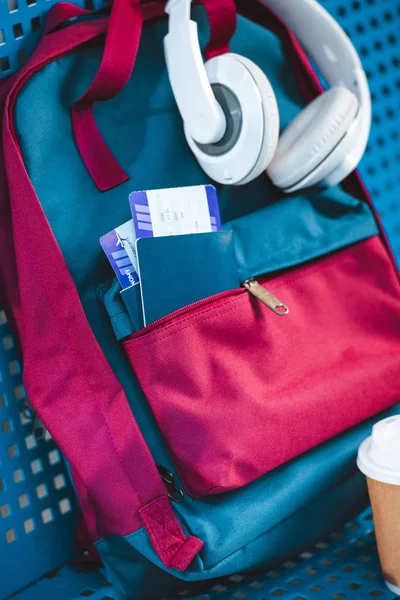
{"x": 265, "y": 297}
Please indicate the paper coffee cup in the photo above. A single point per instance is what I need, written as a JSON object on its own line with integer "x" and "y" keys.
{"x": 379, "y": 459}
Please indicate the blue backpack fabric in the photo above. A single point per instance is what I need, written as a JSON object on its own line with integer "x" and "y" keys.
{"x": 285, "y": 510}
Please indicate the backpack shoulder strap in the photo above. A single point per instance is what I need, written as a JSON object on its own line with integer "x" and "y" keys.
{"x": 67, "y": 377}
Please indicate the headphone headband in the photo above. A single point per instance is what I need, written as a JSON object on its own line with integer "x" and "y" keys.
{"x": 201, "y": 113}
{"x": 323, "y": 40}
{"x": 330, "y": 48}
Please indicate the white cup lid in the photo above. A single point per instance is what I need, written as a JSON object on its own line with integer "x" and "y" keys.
{"x": 379, "y": 455}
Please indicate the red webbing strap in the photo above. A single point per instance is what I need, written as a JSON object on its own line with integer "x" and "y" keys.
{"x": 121, "y": 47}
{"x": 62, "y": 12}
{"x": 222, "y": 17}
{"x": 122, "y": 43}
{"x": 66, "y": 375}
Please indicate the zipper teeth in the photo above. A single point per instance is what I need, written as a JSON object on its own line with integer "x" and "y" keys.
{"x": 187, "y": 309}
{"x": 259, "y": 279}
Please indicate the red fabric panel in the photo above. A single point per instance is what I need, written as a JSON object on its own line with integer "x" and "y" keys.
{"x": 238, "y": 390}
{"x": 167, "y": 536}
{"x": 122, "y": 44}
{"x": 222, "y": 18}
{"x": 67, "y": 377}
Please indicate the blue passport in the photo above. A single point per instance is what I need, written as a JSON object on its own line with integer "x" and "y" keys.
{"x": 176, "y": 271}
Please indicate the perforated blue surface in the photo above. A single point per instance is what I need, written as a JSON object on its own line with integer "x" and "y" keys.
{"x": 343, "y": 566}
{"x": 21, "y": 22}
{"x": 37, "y": 513}
{"x": 373, "y": 25}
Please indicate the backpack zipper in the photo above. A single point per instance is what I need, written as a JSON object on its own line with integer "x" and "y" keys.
{"x": 265, "y": 297}
{"x": 250, "y": 285}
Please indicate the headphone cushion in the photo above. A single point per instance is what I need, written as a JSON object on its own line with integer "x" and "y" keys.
{"x": 312, "y": 135}
{"x": 252, "y": 132}
{"x": 271, "y": 116}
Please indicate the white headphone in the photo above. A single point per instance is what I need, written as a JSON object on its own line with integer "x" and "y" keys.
{"x": 230, "y": 113}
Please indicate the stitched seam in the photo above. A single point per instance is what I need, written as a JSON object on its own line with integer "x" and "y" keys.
{"x": 174, "y": 533}
{"x": 67, "y": 337}
{"x": 155, "y": 539}
{"x": 313, "y": 261}
{"x": 183, "y": 320}
{"x": 80, "y": 368}
{"x": 9, "y": 110}
{"x": 65, "y": 334}
{"x": 170, "y": 333}
{"x": 165, "y": 549}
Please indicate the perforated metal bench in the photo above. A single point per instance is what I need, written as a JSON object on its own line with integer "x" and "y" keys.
{"x": 38, "y": 512}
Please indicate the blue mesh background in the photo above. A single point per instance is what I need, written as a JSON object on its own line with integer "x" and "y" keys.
{"x": 37, "y": 510}
{"x": 373, "y": 25}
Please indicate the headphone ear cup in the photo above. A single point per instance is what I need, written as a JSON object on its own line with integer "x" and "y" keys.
{"x": 270, "y": 118}
{"x": 252, "y": 130}
{"x": 310, "y": 138}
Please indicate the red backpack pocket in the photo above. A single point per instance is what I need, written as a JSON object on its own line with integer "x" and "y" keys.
{"x": 238, "y": 390}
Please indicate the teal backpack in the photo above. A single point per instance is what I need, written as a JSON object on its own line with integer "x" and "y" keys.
{"x": 223, "y": 438}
